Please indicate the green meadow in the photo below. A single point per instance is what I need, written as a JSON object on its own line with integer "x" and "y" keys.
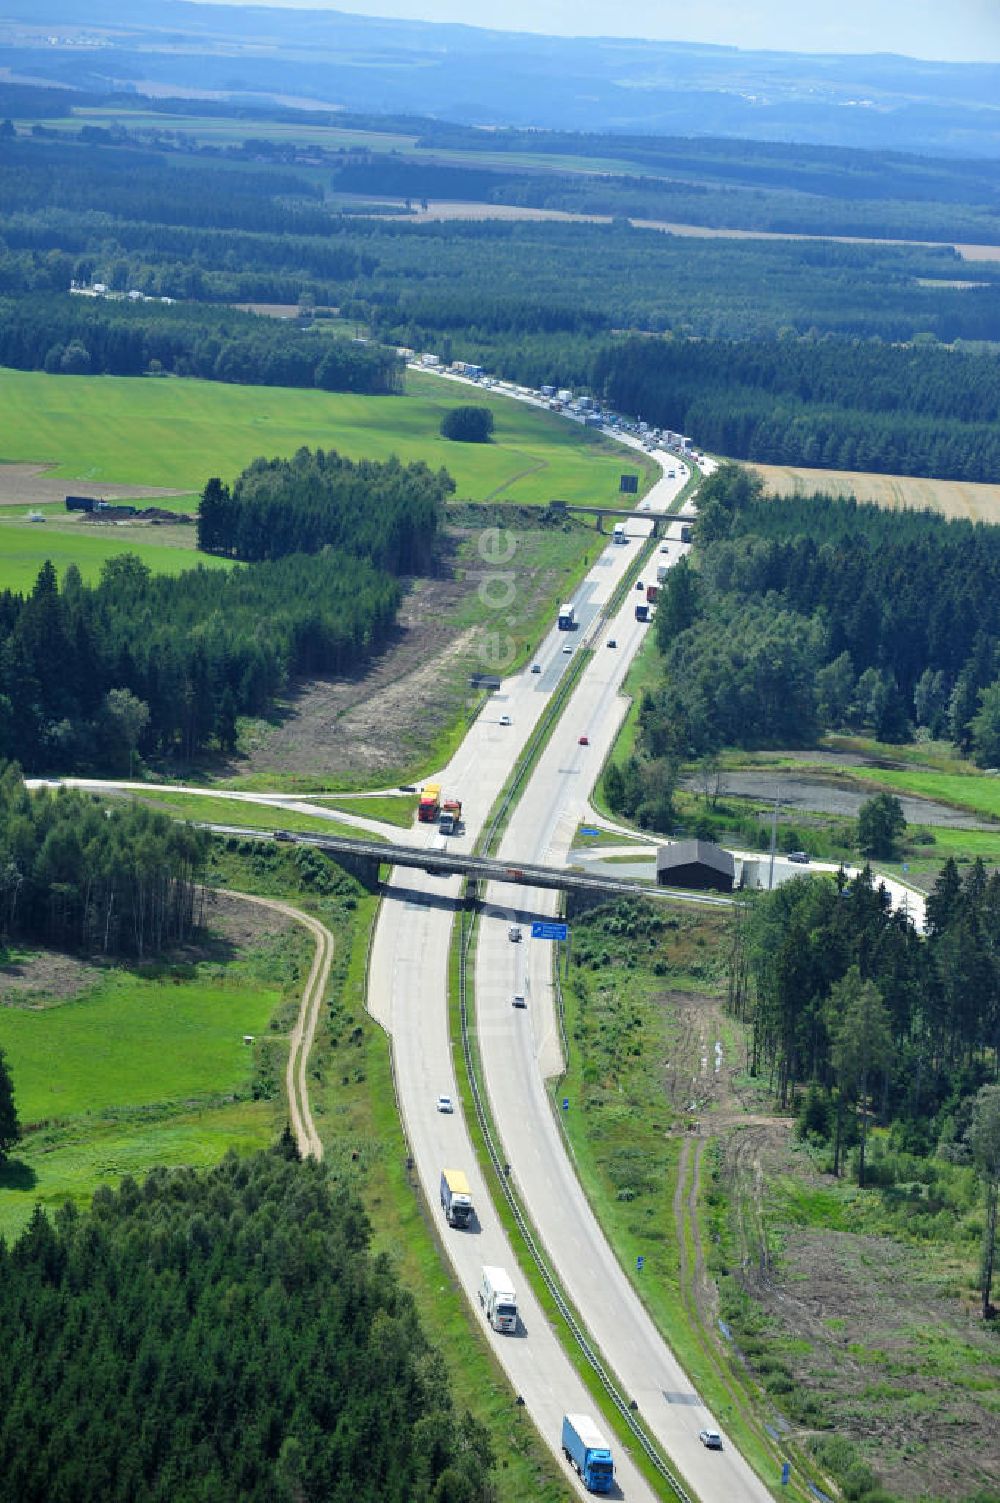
{"x": 132, "y": 1042}
{"x": 135, "y": 1071}
{"x": 24, "y": 546}
{"x": 177, "y": 433}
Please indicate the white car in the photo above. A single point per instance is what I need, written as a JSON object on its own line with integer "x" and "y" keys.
{"x": 444, "y": 1104}
{"x": 567, "y": 650}
{"x": 519, "y": 1000}
{"x": 710, "y": 1439}
{"x": 505, "y": 720}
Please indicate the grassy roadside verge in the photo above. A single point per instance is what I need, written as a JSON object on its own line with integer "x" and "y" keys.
{"x": 219, "y": 810}
{"x": 392, "y": 809}
{"x": 631, "y": 1142}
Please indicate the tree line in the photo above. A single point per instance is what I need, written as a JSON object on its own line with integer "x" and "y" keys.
{"x": 867, "y": 407}
{"x": 212, "y": 230}
{"x": 163, "y": 666}
{"x": 111, "y": 881}
{"x": 387, "y": 512}
{"x": 77, "y": 336}
{"x": 224, "y": 1335}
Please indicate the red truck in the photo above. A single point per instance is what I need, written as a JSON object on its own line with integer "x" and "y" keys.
{"x": 430, "y": 803}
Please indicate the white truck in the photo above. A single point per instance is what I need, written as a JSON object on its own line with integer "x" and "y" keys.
{"x": 618, "y": 536}
{"x": 497, "y": 1297}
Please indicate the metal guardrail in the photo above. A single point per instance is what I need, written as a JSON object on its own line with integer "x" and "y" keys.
{"x": 621, "y": 1404}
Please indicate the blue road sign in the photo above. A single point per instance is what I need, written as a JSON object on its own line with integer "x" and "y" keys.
{"x": 906, "y": 866}
{"x": 549, "y": 931}
{"x": 640, "y": 1263}
{"x": 786, "y": 1472}
{"x": 565, "y": 1103}
{"x": 585, "y": 830}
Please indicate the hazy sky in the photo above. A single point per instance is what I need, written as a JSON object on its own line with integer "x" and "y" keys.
{"x": 950, "y": 30}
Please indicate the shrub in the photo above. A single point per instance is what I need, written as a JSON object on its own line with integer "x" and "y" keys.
{"x": 468, "y": 425}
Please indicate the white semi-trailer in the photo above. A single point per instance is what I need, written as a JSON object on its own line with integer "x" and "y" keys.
{"x": 497, "y": 1297}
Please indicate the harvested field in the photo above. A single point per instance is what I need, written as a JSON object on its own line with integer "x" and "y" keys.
{"x": 455, "y": 209}
{"x": 33, "y": 484}
{"x": 953, "y": 498}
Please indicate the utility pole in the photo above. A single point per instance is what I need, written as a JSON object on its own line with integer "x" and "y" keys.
{"x": 774, "y": 838}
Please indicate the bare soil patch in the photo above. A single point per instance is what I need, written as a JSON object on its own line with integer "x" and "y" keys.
{"x": 368, "y": 724}
{"x": 44, "y": 975}
{"x": 31, "y": 484}
{"x": 901, "y": 1366}
{"x": 826, "y": 795}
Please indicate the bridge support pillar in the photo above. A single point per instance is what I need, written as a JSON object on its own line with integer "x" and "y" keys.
{"x": 579, "y": 902}
{"x": 363, "y": 868}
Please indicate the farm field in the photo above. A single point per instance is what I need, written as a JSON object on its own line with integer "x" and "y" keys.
{"x": 220, "y": 131}
{"x": 178, "y": 433}
{"x": 24, "y": 546}
{"x": 953, "y": 498}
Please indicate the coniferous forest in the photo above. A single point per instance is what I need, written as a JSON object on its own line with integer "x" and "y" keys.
{"x": 223, "y": 1337}
{"x": 815, "y": 613}
{"x": 77, "y": 876}
{"x": 386, "y": 512}
{"x": 189, "y": 653}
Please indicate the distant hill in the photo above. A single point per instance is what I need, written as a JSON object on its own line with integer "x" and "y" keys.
{"x": 474, "y": 76}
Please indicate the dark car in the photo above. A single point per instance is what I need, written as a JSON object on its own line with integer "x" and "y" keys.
{"x": 801, "y": 858}
{"x": 536, "y": 667}
{"x": 612, "y": 642}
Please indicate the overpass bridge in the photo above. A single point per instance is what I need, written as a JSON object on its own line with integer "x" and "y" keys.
{"x": 364, "y": 857}
{"x": 661, "y": 520}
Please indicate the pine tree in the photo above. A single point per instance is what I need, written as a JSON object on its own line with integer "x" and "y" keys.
{"x": 10, "y": 1128}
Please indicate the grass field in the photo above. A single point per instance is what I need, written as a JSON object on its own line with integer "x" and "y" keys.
{"x": 219, "y": 810}
{"x": 133, "y": 1072}
{"x": 178, "y": 433}
{"x": 24, "y": 546}
{"x": 133, "y": 1042}
{"x": 393, "y": 810}
{"x": 953, "y": 498}
{"x": 979, "y": 793}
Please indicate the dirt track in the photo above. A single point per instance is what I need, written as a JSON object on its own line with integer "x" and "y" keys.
{"x": 301, "y": 1037}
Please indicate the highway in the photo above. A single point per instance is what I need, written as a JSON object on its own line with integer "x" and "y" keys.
{"x": 519, "y": 1049}
{"x": 408, "y": 995}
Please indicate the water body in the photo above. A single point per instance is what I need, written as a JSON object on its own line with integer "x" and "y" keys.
{"x": 824, "y": 795}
